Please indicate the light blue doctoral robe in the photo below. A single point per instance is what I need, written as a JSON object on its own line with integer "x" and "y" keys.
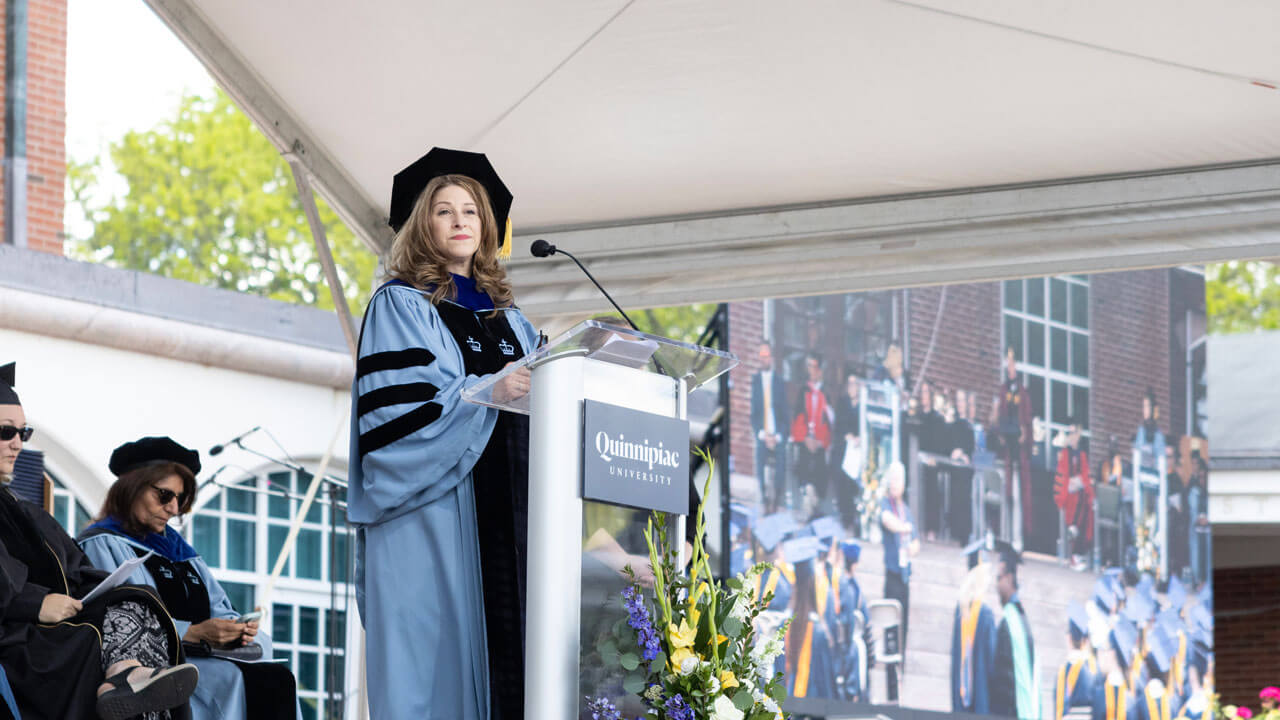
{"x": 219, "y": 694}
{"x": 413, "y": 501}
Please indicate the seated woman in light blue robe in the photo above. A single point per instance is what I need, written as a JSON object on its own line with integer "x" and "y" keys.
{"x": 438, "y": 486}
{"x": 156, "y": 482}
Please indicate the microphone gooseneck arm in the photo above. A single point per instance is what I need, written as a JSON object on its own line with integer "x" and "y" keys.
{"x": 542, "y": 248}
{"x": 604, "y": 292}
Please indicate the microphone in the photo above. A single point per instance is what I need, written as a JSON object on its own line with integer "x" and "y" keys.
{"x": 542, "y": 248}
{"x": 234, "y": 441}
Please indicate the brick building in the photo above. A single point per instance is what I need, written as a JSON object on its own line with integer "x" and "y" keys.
{"x": 1087, "y": 346}
{"x": 46, "y": 121}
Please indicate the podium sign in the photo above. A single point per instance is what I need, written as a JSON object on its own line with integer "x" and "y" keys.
{"x": 635, "y": 458}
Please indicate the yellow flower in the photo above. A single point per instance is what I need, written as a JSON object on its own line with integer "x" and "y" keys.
{"x": 697, "y": 593}
{"x": 679, "y": 656}
{"x": 727, "y": 680}
{"x": 683, "y": 636}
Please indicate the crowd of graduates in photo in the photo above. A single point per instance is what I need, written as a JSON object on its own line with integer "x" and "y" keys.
{"x": 811, "y": 579}
{"x": 1133, "y": 654}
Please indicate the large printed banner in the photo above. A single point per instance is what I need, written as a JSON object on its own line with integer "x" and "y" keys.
{"x": 1007, "y": 482}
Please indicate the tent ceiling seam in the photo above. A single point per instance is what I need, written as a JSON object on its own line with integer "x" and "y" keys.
{"x": 538, "y": 85}
{"x": 1269, "y": 83}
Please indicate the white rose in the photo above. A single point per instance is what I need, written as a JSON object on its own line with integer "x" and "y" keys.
{"x": 688, "y": 665}
{"x": 723, "y": 709}
{"x": 715, "y": 685}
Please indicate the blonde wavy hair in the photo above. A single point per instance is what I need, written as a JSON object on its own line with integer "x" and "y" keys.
{"x": 416, "y": 259}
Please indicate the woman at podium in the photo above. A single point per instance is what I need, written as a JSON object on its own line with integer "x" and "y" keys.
{"x": 438, "y": 486}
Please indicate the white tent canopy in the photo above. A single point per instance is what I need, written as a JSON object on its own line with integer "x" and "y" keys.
{"x": 701, "y": 149}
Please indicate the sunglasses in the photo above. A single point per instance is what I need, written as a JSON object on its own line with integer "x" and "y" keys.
{"x": 8, "y": 431}
{"x": 165, "y": 496}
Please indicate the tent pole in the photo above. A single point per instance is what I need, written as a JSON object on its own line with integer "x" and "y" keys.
{"x": 308, "y": 198}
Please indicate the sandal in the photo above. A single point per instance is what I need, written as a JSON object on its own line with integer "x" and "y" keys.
{"x": 164, "y": 688}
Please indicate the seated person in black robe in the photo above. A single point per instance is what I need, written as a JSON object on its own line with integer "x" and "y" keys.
{"x": 155, "y": 483}
{"x": 56, "y": 650}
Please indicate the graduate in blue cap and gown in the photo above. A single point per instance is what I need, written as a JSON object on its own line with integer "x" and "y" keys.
{"x": 1159, "y": 700}
{"x": 973, "y": 637}
{"x": 855, "y": 630}
{"x": 1169, "y": 623}
{"x": 780, "y": 577}
{"x": 438, "y": 486}
{"x": 1111, "y": 697}
{"x": 810, "y": 655}
{"x": 1199, "y": 668}
{"x": 828, "y": 570}
{"x": 1014, "y": 684}
{"x": 1140, "y": 610}
{"x": 1073, "y": 685}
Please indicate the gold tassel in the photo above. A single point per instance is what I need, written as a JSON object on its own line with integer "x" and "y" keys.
{"x": 504, "y": 250}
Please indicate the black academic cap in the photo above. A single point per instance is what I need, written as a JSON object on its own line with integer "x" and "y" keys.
{"x": 1008, "y": 554}
{"x": 409, "y": 183}
{"x": 7, "y": 381}
{"x": 150, "y": 450}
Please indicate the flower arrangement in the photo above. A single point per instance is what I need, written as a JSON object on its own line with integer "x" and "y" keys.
{"x": 1270, "y": 710}
{"x": 690, "y": 652}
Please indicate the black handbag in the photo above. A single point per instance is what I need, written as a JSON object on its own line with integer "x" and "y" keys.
{"x": 245, "y": 653}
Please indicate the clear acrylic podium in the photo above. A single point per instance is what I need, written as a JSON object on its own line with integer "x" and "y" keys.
{"x": 576, "y": 548}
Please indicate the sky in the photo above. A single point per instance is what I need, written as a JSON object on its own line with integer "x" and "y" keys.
{"x": 125, "y": 71}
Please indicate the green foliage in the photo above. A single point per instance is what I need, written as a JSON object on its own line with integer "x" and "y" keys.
{"x": 1242, "y": 296}
{"x": 684, "y": 323}
{"x": 209, "y": 200}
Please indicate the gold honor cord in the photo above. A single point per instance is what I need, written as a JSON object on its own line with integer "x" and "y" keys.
{"x": 316, "y": 480}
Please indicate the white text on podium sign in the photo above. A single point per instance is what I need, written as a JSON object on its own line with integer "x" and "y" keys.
{"x": 635, "y": 458}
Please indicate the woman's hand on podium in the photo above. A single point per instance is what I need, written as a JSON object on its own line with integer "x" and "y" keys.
{"x": 512, "y": 387}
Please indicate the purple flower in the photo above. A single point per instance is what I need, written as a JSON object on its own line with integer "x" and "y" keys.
{"x": 601, "y": 709}
{"x": 678, "y": 709}
{"x": 646, "y": 636}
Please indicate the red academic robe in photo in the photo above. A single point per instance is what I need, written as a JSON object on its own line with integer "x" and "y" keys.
{"x": 1074, "y": 464}
{"x": 813, "y": 419}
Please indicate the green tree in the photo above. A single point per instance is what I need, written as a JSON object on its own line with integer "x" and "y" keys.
{"x": 684, "y": 322}
{"x": 211, "y": 201}
{"x": 1242, "y": 296}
